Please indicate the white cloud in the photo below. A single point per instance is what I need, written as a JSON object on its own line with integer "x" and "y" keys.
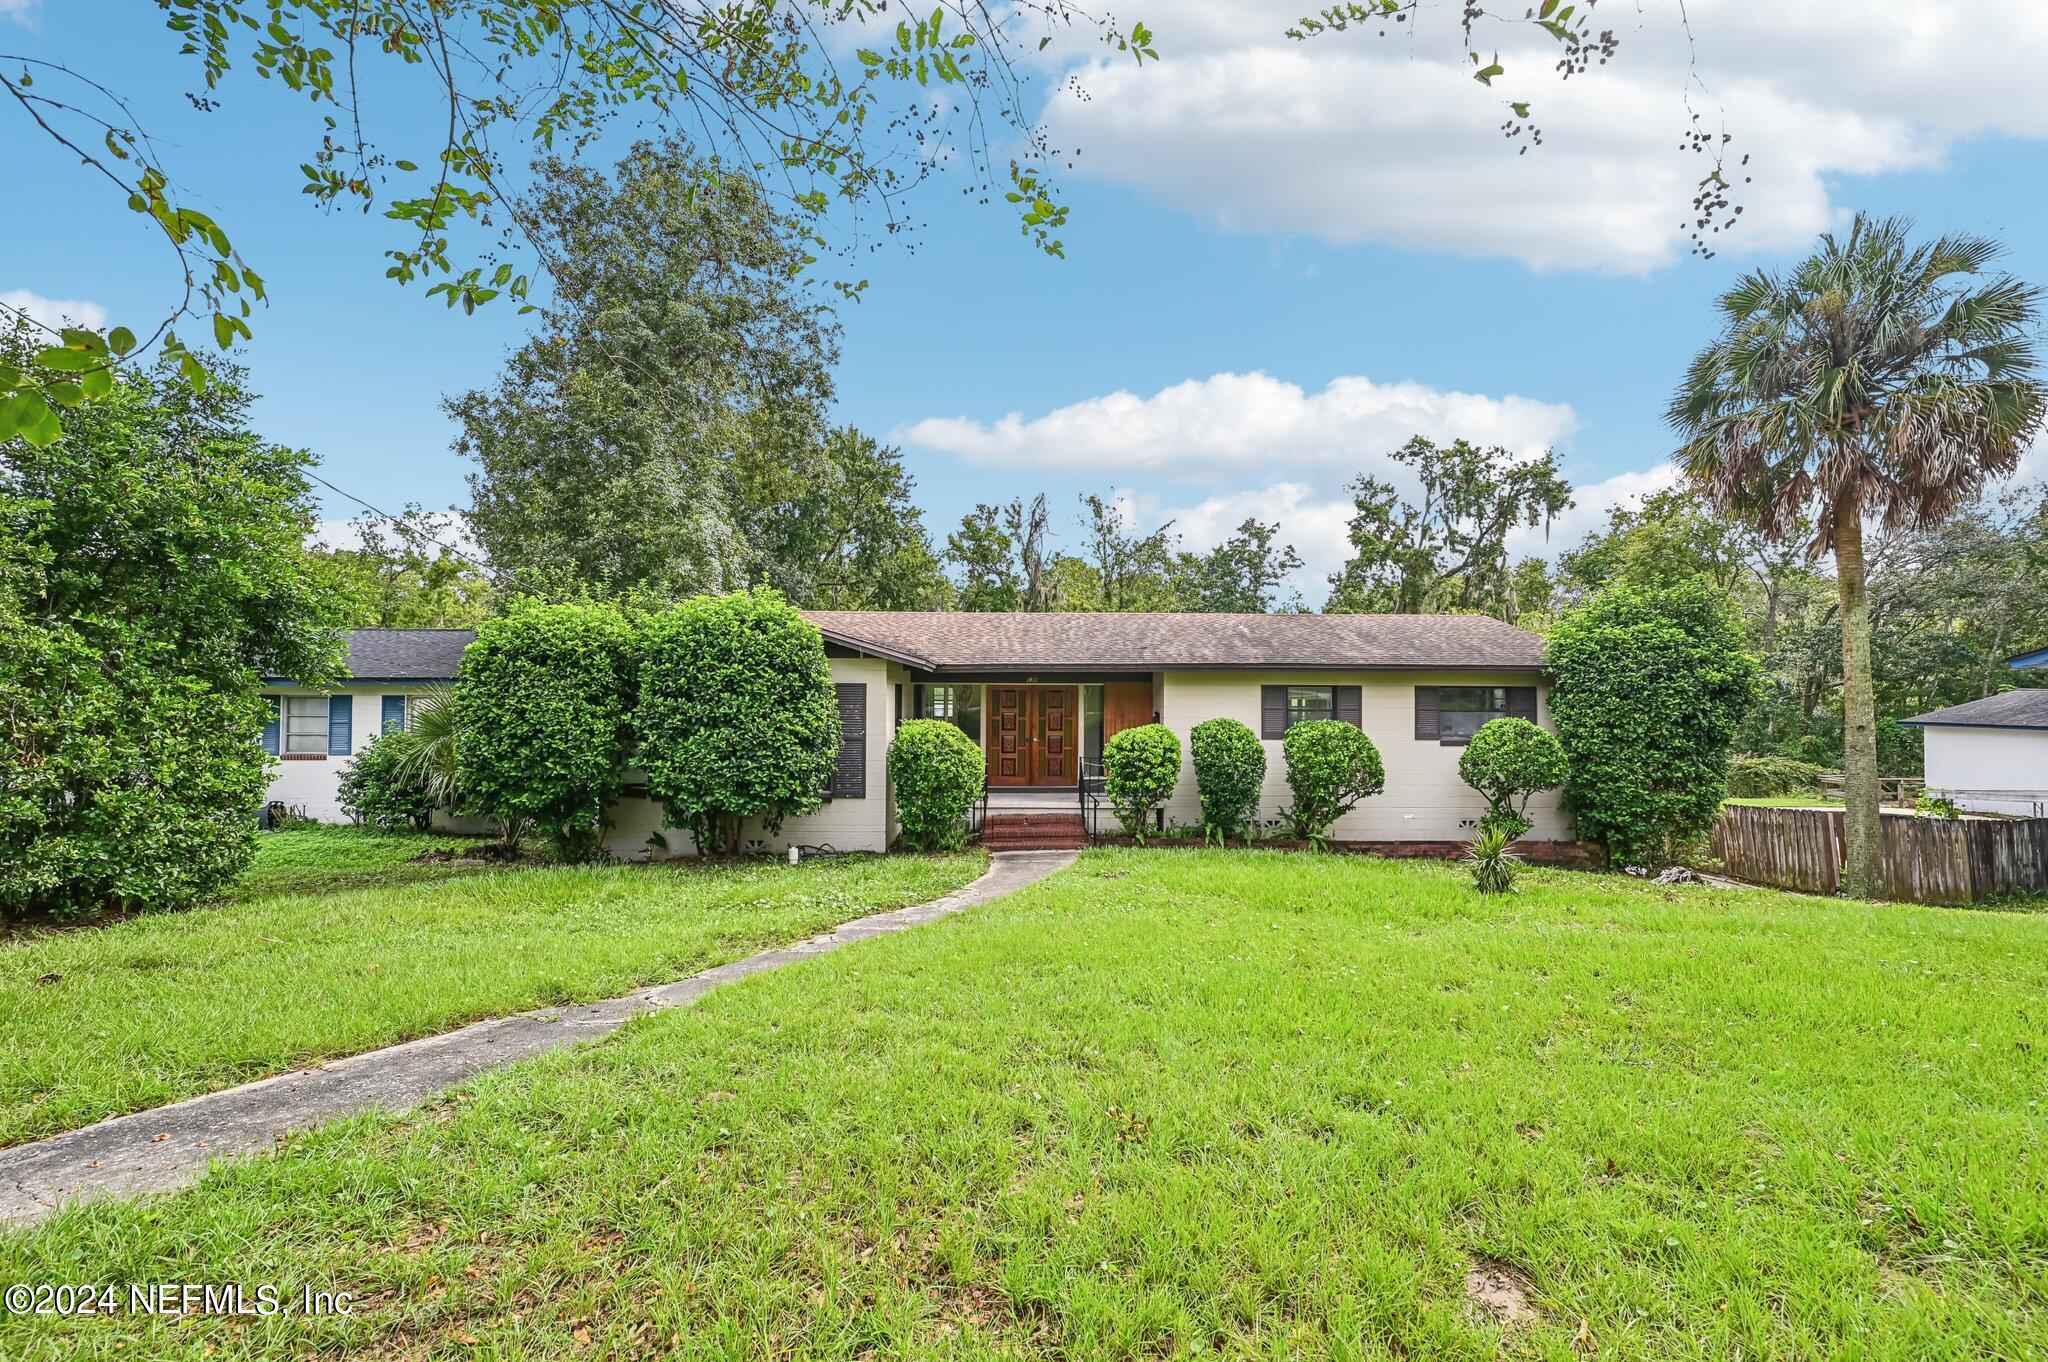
{"x": 52, "y": 312}
{"x": 1243, "y": 423}
{"x": 1353, "y": 138}
{"x": 17, "y": 9}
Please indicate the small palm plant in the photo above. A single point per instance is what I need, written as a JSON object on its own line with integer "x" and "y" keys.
{"x": 1494, "y": 866}
{"x": 426, "y": 746}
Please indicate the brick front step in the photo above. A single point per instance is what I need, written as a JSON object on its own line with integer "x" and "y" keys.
{"x": 1034, "y": 832}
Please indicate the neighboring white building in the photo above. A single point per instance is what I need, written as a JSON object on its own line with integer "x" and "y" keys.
{"x": 1040, "y": 694}
{"x": 314, "y": 734}
{"x": 1991, "y": 755}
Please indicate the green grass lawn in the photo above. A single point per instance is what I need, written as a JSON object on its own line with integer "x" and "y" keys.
{"x": 1182, "y": 1103}
{"x": 323, "y": 859}
{"x": 113, "y": 1019}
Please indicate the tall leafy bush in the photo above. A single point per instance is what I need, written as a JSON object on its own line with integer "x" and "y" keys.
{"x": 1331, "y": 767}
{"x": 1508, "y": 761}
{"x": 1649, "y": 685}
{"x": 541, "y": 702}
{"x": 1140, "y": 768}
{"x": 152, "y": 569}
{"x": 737, "y": 717}
{"x": 1230, "y": 771}
{"x": 936, "y": 772}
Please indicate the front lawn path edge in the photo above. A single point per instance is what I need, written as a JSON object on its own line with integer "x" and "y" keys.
{"x": 171, "y": 1146}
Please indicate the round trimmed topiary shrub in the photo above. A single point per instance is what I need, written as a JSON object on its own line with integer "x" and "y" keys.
{"x": 1508, "y": 761}
{"x": 1140, "y": 768}
{"x": 936, "y": 771}
{"x": 380, "y": 789}
{"x": 1230, "y": 771}
{"x": 1331, "y": 766}
{"x": 737, "y": 717}
{"x": 542, "y": 698}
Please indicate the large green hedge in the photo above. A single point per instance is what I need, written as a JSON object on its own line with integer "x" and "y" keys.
{"x": 1508, "y": 761}
{"x": 152, "y": 569}
{"x": 1649, "y": 686}
{"x": 1331, "y": 766}
{"x": 1230, "y": 772}
{"x": 1140, "y": 768}
{"x": 937, "y": 774}
{"x": 737, "y": 719}
{"x": 542, "y": 699}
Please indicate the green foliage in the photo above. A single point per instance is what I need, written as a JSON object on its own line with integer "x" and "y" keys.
{"x": 1769, "y": 777}
{"x": 1649, "y": 688}
{"x": 937, "y": 774}
{"x": 1494, "y": 863}
{"x": 1331, "y": 766}
{"x": 425, "y": 748}
{"x": 1940, "y": 806}
{"x": 378, "y": 791}
{"x": 1449, "y": 551}
{"x": 1508, "y": 761}
{"x": 680, "y": 347}
{"x": 737, "y": 718}
{"x": 1141, "y": 765}
{"x": 401, "y": 576}
{"x": 1230, "y": 772}
{"x": 150, "y": 565}
{"x": 541, "y": 700}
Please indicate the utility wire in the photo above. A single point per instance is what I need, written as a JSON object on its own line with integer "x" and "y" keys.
{"x": 485, "y": 568}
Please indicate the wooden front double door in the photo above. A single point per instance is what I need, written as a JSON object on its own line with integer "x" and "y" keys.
{"x": 1034, "y": 735}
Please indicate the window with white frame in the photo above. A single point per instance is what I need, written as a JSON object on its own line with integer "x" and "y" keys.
{"x": 305, "y": 725}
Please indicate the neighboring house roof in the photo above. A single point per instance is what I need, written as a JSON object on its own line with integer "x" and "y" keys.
{"x": 406, "y": 654}
{"x": 963, "y": 641}
{"x": 2028, "y": 661}
{"x": 399, "y": 655}
{"x": 2014, "y": 709}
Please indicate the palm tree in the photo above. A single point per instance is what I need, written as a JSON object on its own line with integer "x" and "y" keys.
{"x": 1878, "y": 380}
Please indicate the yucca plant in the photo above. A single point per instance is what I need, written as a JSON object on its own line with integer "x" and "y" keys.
{"x": 1494, "y": 866}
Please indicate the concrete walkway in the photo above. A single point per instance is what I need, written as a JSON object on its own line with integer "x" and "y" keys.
{"x": 169, "y": 1147}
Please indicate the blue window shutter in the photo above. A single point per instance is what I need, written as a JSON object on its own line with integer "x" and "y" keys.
{"x": 274, "y": 725}
{"x": 339, "y": 719}
{"x": 394, "y": 714}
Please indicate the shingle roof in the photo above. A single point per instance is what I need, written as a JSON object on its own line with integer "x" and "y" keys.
{"x": 964, "y": 641}
{"x": 406, "y": 654}
{"x": 2013, "y": 709}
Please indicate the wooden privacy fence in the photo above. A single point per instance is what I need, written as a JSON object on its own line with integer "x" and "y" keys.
{"x": 1926, "y": 860}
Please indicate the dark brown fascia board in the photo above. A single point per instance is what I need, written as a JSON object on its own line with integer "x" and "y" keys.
{"x": 1146, "y": 669}
{"x": 865, "y": 648}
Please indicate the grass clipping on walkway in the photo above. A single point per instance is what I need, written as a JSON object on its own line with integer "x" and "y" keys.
{"x": 1174, "y": 1103}
{"x": 114, "y": 1019}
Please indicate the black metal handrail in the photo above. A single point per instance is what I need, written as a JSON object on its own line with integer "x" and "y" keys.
{"x": 1089, "y": 789}
{"x": 978, "y": 820}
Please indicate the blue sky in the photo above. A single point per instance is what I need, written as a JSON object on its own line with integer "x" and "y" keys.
{"x": 1284, "y": 258}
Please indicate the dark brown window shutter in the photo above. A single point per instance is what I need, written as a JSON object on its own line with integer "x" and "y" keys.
{"x": 1347, "y": 705}
{"x": 1272, "y": 711}
{"x": 1522, "y": 703}
{"x": 1428, "y": 718}
{"x": 896, "y": 714}
{"x": 850, "y": 776}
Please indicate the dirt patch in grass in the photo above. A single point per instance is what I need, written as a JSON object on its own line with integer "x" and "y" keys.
{"x": 480, "y": 853}
{"x": 1498, "y": 1291}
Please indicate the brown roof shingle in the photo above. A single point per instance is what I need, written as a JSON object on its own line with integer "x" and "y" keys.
{"x": 963, "y": 641}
